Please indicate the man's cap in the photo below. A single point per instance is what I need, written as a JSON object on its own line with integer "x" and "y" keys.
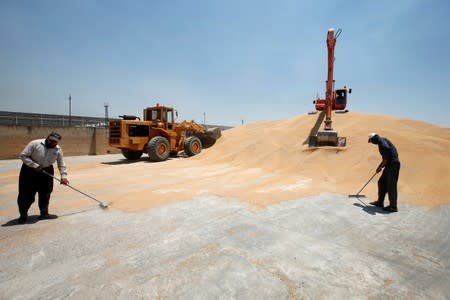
{"x": 371, "y": 135}
{"x": 54, "y": 136}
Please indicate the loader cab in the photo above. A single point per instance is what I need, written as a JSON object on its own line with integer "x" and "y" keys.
{"x": 341, "y": 98}
{"x": 160, "y": 116}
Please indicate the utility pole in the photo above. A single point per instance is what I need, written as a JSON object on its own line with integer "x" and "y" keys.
{"x": 204, "y": 118}
{"x": 70, "y": 110}
{"x": 106, "y": 114}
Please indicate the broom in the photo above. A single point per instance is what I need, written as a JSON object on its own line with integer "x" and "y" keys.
{"x": 357, "y": 195}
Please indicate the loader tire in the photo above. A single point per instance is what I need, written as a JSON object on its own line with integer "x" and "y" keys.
{"x": 158, "y": 148}
{"x": 131, "y": 155}
{"x": 192, "y": 146}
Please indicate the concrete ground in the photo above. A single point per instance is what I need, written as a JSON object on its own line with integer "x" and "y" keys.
{"x": 323, "y": 247}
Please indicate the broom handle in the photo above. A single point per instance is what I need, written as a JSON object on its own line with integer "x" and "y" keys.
{"x": 56, "y": 178}
{"x": 366, "y": 183}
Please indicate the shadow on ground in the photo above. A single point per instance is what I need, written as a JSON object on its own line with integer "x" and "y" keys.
{"x": 30, "y": 220}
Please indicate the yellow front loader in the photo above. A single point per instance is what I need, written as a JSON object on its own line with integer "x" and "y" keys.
{"x": 159, "y": 135}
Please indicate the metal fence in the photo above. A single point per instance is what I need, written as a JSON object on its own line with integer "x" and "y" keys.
{"x": 47, "y": 120}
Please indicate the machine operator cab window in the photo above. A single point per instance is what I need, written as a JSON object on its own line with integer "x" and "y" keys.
{"x": 169, "y": 119}
{"x": 341, "y": 98}
{"x": 155, "y": 115}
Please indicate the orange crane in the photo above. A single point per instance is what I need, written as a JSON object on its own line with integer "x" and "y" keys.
{"x": 335, "y": 99}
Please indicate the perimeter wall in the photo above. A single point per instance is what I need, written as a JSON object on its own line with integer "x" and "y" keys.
{"x": 75, "y": 140}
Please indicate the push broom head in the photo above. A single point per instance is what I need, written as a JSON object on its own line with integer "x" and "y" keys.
{"x": 358, "y": 195}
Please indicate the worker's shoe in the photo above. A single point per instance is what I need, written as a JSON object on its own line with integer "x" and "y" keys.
{"x": 47, "y": 216}
{"x": 22, "y": 220}
{"x": 390, "y": 209}
{"x": 377, "y": 203}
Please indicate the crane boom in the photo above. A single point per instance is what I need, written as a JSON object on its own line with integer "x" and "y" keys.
{"x": 330, "y": 95}
{"x": 334, "y": 100}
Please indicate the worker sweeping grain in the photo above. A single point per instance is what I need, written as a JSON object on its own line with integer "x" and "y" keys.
{"x": 391, "y": 168}
{"x": 38, "y": 157}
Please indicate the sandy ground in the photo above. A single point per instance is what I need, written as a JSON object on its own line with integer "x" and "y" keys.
{"x": 259, "y": 215}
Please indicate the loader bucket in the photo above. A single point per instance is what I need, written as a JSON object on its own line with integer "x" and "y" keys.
{"x": 215, "y": 133}
{"x": 210, "y": 137}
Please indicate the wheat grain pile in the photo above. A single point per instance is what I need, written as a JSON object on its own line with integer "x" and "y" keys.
{"x": 268, "y": 162}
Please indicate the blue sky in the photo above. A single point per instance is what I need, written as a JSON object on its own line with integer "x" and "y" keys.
{"x": 232, "y": 60}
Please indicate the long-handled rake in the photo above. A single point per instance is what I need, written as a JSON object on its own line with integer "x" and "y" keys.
{"x": 357, "y": 195}
{"x": 101, "y": 204}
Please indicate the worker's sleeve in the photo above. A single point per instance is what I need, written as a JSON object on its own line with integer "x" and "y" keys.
{"x": 25, "y": 156}
{"x": 61, "y": 165}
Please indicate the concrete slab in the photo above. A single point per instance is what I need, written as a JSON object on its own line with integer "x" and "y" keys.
{"x": 329, "y": 246}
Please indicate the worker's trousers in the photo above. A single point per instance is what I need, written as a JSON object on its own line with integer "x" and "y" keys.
{"x": 30, "y": 183}
{"x": 388, "y": 183}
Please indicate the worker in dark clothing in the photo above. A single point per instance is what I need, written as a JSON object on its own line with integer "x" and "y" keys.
{"x": 39, "y": 155}
{"x": 391, "y": 168}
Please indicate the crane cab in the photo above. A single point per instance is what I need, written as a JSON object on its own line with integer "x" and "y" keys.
{"x": 338, "y": 103}
{"x": 341, "y": 99}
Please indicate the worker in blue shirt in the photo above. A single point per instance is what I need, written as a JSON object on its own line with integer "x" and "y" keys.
{"x": 391, "y": 168}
